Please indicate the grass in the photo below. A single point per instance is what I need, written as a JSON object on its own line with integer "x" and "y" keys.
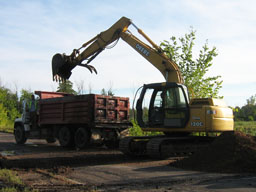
{"x": 8, "y": 189}
{"x": 248, "y": 127}
{"x": 10, "y": 182}
{"x": 13, "y": 189}
{"x": 10, "y": 177}
{"x": 7, "y": 128}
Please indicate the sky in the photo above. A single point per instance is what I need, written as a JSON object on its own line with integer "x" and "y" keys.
{"x": 32, "y": 31}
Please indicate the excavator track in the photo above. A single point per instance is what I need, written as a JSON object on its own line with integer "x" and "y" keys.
{"x": 154, "y": 148}
{"x": 124, "y": 145}
{"x": 163, "y": 147}
{"x": 134, "y": 146}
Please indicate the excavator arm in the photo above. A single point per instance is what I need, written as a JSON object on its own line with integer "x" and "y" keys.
{"x": 62, "y": 64}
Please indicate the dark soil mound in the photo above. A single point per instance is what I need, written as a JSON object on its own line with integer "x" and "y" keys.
{"x": 232, "y": 152}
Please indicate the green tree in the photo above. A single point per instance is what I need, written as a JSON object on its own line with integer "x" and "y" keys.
{"x": 103, "y": 92}
{"x": 249, "y": 110}
{"x": 194, "y": 70}
{"x": 66, "y": 87}
{"x": 3, "y": 116}
{"x": 251, "y": 100}
{"x": 25, "y": 96}
{"x": 246, "y": 112}
{"x": 8, "y": 106}
{"x": 109, "y": 92}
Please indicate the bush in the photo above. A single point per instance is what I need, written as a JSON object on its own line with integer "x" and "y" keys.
{"x": 137, "y": 131}
{"x": 250, "y": 118}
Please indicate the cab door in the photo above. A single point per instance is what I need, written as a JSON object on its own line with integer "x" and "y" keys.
{"x": 176, "y": 109}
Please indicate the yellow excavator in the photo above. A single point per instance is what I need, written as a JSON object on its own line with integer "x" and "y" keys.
{"x": 169, "y": 108}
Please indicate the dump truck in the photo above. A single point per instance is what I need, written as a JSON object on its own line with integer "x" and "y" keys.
{"x": 72, "y": 119}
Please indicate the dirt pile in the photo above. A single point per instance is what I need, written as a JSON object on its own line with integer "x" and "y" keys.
{"x": 232, "y": 152}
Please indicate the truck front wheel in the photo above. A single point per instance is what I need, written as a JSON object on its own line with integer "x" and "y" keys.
{"x": 66, "y": 138}
{"x": 19, "y": 134}
{"x": 82, "y": 138}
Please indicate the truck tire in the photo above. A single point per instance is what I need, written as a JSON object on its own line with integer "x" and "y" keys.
{"x": 19, "y": 134}
{"x": 66, "y": 138}
{"x": 82, "y": 138}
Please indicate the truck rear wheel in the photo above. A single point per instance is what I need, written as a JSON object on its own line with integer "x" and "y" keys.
{"x": 19, "y": 134}
{"x": 82, "y": 137}
{"x": 66, "y": 138}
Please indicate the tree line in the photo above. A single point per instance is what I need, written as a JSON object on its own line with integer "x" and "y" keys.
{"x": 246, "y": 112}
{"x": 11, "y": 104}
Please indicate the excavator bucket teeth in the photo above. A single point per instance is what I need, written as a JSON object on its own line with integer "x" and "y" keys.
{"x": 60, "y": 68}
{"x": 92, "y": 69}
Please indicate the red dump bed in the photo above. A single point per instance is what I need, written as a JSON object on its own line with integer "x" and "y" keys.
{"x": 88, "y": 109}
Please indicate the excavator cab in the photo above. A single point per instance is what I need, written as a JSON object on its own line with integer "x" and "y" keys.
{"x": 163, "y": 105}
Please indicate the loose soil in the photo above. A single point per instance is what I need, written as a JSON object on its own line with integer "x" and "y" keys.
{"x": 231, "y": 152}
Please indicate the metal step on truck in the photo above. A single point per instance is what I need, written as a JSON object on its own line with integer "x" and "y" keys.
{"x": 72, "y": 119}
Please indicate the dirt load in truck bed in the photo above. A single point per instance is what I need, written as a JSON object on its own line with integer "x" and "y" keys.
{"x": 231, "y": 152}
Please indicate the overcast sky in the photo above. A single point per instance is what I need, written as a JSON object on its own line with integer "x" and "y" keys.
{"x": 32, "y": 31}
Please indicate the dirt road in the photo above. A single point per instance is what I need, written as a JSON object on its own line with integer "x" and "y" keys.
{"x": 51, "y": 168}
